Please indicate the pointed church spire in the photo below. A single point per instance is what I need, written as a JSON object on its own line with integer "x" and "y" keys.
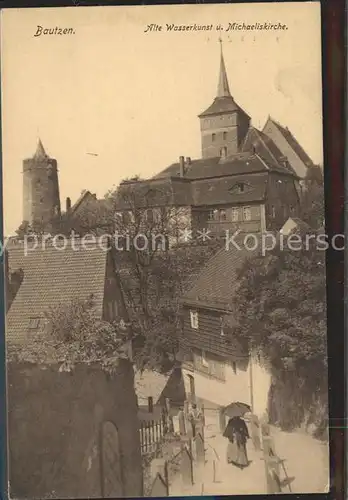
{"x": 223, "y": 87}
{"x": 40, "y": 152}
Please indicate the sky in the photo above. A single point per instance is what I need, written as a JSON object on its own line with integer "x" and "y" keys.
{"x": 133, "y": 97}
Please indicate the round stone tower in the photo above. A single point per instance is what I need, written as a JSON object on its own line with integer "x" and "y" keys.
{"x": 41, "y": 201}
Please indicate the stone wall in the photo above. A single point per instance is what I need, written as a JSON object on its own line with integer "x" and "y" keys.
{"x": 54, "y": 426}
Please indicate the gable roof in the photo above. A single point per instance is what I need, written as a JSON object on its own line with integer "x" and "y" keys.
{"x": 294, "y": 144}
{"x": 149, "y": 383}
{"x": 266, "y": 148}
{"x": 245, "y": 162}
{"x": 84, "y": 197}
{"x": 220, "y": 191}
{"x": 218, "y": 282}
{"x": 294, "y": 225}
{"x": 53, "y": 276}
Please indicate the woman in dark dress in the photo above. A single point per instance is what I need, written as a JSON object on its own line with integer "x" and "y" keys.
{"x": 237, "y": 434}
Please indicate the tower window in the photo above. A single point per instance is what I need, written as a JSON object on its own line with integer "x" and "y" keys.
{"x": 223, "y": 152}
{"x": 224, "y": 136}
{"x": 213, "y": 137}
{"x": 273, "y": 212}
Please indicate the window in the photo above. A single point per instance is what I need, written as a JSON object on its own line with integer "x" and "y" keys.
{"x": 224, "y": 135}
{"x": 194, "y": 319}
{"x": 235, "y": 214}
{"x": 149, "y": 215}
{"x": 223, "y": 152}
{"x": 234, "y": 367}
{"x": 222, "y": 332}
{"x": 204, "y": 359}
{"x": 213, "y": 136}
{"x": 246, "y": 213}
{"x": 211, "y": 215}
{"x": 292, "y": 210}
{"x": 34, "y": 323}
{"x": 209, "y": 364}
{"x": 222, "y": 214}
{"x": 240, "y": 187}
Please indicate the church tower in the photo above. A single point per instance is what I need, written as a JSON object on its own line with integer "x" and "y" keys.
{"x": 224, "y": 124}
{"x": 40, "y": 188}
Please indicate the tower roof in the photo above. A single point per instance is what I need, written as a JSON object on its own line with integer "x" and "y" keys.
{"x": 223, "y": 89}
{"x": 40, "y": 152}
{"x": 223, "y": 102}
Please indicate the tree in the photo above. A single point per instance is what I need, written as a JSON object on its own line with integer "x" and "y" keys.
{"x": 281, "y": 311}
{"x": 73, "y": 333}
{"x": 313, "y": 199}
{"x": 144, "y": 225}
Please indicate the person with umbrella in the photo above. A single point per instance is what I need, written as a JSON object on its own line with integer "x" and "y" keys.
{"x": 237, "y": 434}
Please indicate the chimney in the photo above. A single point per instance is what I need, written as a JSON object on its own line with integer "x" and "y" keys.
{"x": 182, "y": 166}
{"x": 68, "y": 204}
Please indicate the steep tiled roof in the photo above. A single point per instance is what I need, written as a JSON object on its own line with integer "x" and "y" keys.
{"x": 85, "y": 197}
{"x": 218, "y": 282}
{"x": 53, "y": 276}
{"x": 296, "y": 146}
{"x": 221, "y": 105}
{"x": 241, "y": 163}
{"x": 154, "y": 192}
{"x": 265, "y": 147}
{"x": 219, "y": 191}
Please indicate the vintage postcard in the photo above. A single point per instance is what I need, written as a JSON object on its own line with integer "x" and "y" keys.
{"x": 164, "y": 250}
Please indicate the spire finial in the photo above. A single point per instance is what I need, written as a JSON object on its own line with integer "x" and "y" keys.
{"x": 40, "y": 152}
{"x": 223, "y": 87}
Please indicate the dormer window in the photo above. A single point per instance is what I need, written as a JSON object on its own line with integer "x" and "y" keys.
{"x": 240, "y": 187}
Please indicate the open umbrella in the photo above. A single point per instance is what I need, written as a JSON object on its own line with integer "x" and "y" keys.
{"x": 236, "y": 409}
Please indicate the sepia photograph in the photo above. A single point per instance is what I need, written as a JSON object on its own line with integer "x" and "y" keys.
{"x": 164, "y": 250}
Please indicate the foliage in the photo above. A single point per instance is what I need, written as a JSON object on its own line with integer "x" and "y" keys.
{"x": 313, "y": 205}
{"x": 153, "y": 276}
{"x": 281, "y": 311}
{"x": 73, "y": 334}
